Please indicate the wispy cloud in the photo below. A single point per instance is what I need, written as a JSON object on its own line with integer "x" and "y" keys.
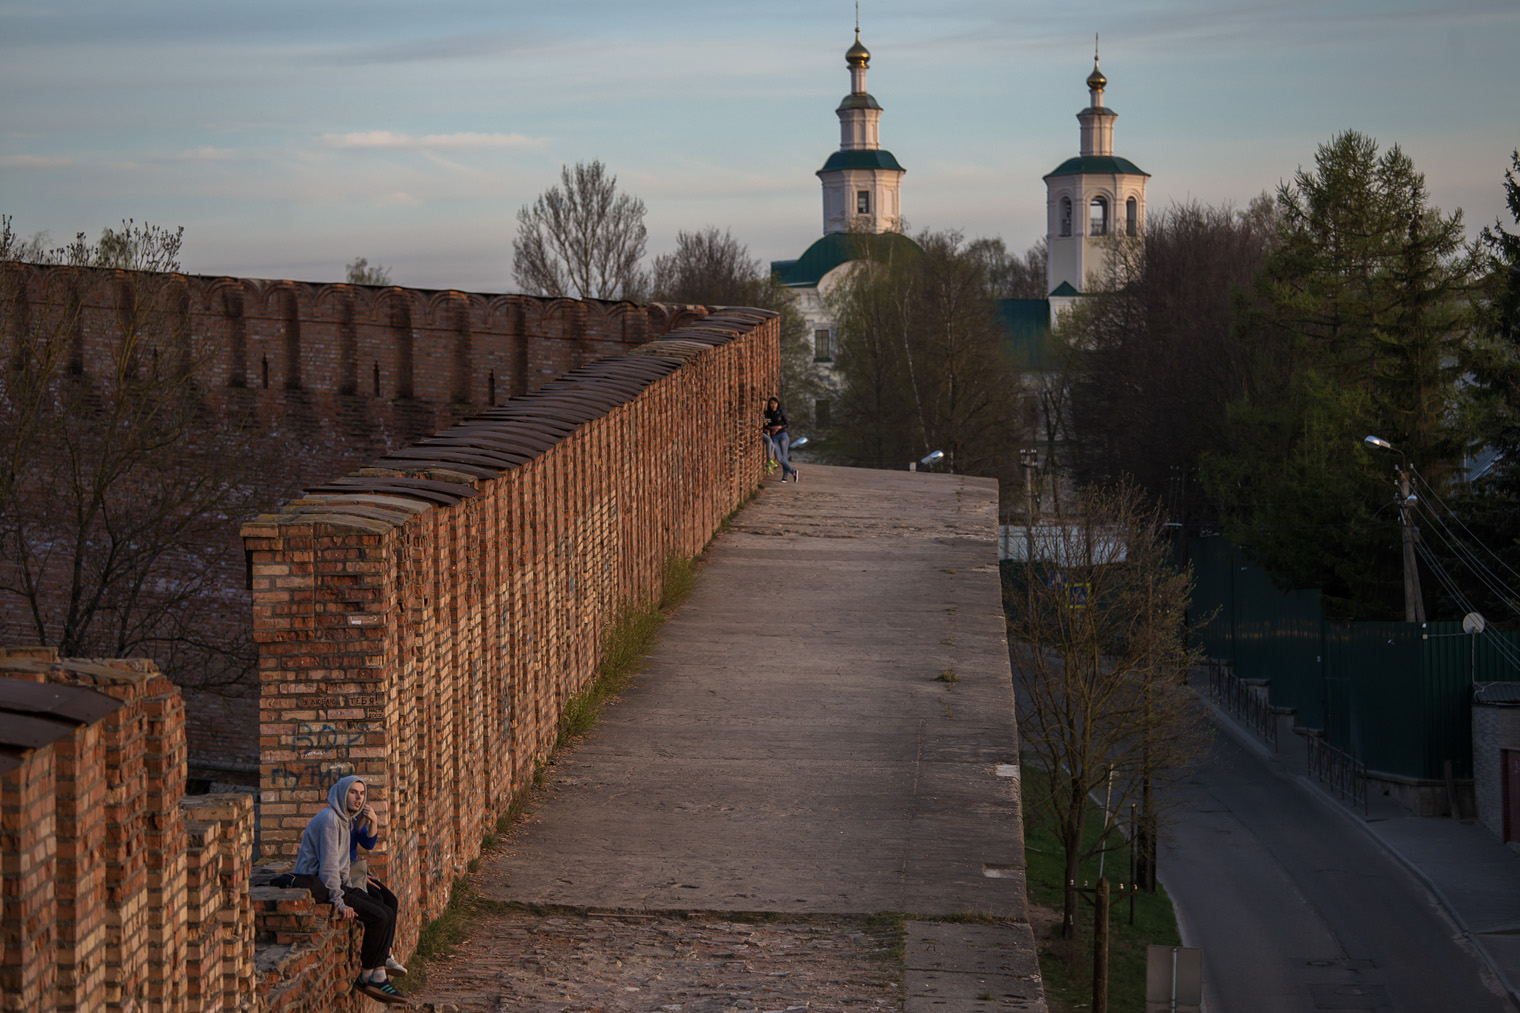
{"x": 441, "y": 48}
{"x": 32, "y": 162}
{"x": 398, "y": 199}
{"x": 206, "y": 153}
{"x": 388, "y": 140}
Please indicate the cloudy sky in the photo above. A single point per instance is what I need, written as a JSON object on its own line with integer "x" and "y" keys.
{"x": 290, "y": 137}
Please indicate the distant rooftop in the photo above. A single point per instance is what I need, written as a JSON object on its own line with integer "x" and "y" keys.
{"x": 839, "y": 248}
{"x": 1098, "y": 164}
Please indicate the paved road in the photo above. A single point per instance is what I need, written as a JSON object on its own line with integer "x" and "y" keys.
{"x": 1298, "y": 909}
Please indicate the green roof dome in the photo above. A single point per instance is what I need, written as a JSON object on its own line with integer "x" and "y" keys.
{"x": 862, "y": 158}
{"x": 840, "y": 248}
{"x": 1097, "y": 165}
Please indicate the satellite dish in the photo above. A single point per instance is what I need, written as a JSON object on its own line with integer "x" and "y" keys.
{"x": 1472, "y": 623}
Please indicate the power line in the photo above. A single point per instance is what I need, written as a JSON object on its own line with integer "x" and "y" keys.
{"x": 1429, "y": 491}
{"x": 1500, "y": 643}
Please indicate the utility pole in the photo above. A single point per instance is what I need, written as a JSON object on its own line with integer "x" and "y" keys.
{"x": 1414, "y": 601}
{"x": 1100, "y": 949}
{"x": 1029, "y": 460}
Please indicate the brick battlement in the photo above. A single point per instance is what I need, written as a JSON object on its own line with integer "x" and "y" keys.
{"x": 423, "y": 621}
{"x": 119, "y": 893}
{"x": 343, "y": 374}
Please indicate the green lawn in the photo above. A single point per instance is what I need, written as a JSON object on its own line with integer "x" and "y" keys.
{"x": 1067, "y": 968}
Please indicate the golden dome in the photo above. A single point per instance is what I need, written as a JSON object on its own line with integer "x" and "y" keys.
{"x": 1096, "y": 78}
{"x": 857, "y": 55}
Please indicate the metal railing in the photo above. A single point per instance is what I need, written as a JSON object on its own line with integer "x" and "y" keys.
{"x": 1235, "y": 696}
{"x": 1339, "y": 771}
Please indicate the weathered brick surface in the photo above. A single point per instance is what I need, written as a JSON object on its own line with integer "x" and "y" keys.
{"x": 344, "y": 374}
{"x": 113, "y": 900}
{"x": 29, "y": 921}
{"x": 425, "y": 624}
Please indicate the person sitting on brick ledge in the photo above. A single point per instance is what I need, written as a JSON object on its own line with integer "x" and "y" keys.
{"x": 322, "y": 866}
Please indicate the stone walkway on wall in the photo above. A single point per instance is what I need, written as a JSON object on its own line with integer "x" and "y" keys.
{"x": 823, "y": 738}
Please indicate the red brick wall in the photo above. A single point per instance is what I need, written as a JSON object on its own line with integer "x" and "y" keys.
{"x": 117, "y": 898}
{"x": 428, "y": 641}
{"x": 342, "y": 374}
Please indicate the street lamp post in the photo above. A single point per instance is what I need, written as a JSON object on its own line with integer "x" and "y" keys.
{"x": 1414, "y": 601}
{"x": 1029, "y": 460}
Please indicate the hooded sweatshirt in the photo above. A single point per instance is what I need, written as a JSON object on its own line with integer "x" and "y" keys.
{"x": 325, "y": 842}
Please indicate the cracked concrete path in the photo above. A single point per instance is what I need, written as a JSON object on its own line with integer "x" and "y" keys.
{"x": 826, "y": 729}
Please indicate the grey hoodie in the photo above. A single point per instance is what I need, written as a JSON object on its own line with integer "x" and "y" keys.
{"x": 324, "y": 843}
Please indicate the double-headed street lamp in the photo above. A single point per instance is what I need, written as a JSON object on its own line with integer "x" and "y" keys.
{"x": 1414, "y": 602}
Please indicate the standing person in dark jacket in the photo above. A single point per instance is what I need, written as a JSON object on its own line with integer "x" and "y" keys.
{"x": 322, "y": 866}
{"x": 775, "y": 430}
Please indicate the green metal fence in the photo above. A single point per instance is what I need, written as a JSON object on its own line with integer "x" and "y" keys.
{"x": 1395, "y": 696}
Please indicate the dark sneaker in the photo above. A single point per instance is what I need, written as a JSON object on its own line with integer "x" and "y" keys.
{"x": 383, "y": 991}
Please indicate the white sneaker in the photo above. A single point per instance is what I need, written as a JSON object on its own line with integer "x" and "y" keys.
{"x": 393, "y": 966}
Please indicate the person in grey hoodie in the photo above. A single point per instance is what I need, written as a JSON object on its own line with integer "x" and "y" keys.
{"x": 322, "y": 866}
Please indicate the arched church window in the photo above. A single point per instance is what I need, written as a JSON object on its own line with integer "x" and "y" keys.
{"x": 1065, "y": 216}
{"x": 1097, "y": 215}
{"x": 863, "y": 202}
{"x": 1132, "y": 216}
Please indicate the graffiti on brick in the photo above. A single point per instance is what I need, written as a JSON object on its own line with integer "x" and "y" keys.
{"x": 309, "y": 775}
{"x": 312, "y": 735}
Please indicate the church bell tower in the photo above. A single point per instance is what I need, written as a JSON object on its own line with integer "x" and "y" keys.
{"x": 861, "y": 181}
{"x": 1090, "y": 199}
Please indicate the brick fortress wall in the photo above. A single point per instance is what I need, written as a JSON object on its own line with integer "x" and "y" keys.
{"x": 422, "y": 622}
{"x": 117, "y": 892}
{"x": 341, "y": 374}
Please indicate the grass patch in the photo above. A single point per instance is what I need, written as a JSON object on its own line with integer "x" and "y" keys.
{"x": 439, "y": 936}
{"x": 948, "y": 675}
{"x": 624, "y": 649}
{"x": 1066, "y": 965}
{"x": 680, "y": 580}
{"x": 890, "y": 930}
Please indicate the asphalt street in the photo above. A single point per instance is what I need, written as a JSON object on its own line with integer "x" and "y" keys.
{"x": 1297, "y": 908}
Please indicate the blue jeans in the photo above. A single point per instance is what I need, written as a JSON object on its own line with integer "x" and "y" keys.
{"x": 782, "y": 442}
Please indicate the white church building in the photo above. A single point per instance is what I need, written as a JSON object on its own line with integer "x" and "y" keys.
{"x": 1088, "y": 198}
{"x": 862, "y": 187}
{"x": 1091, "y": 199}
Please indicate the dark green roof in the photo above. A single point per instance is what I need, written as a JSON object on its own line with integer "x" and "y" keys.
{"x": 1099, "y": 165}
{"x": 1026, "y": 334}
{"x": 839, "y": 248}
{"x": 862, "y": 158}
{"x": 862, "y": 101}
{"x": 1065, "y": 288}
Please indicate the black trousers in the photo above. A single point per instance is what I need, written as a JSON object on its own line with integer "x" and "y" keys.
{"x": 375, "y": 908}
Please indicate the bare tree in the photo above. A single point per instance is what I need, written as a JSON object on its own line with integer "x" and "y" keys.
{"x": 1152, "y": 358}
{"x": 1007, "y": 275}
{"x": 582, "y": 237}
{"x": 360, "y": 272}
{"x": 921, "y": 359}
{"x": 1100, "y": 658}
{"x": 118, "y": 484}
{"x": 713, "y": 268}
